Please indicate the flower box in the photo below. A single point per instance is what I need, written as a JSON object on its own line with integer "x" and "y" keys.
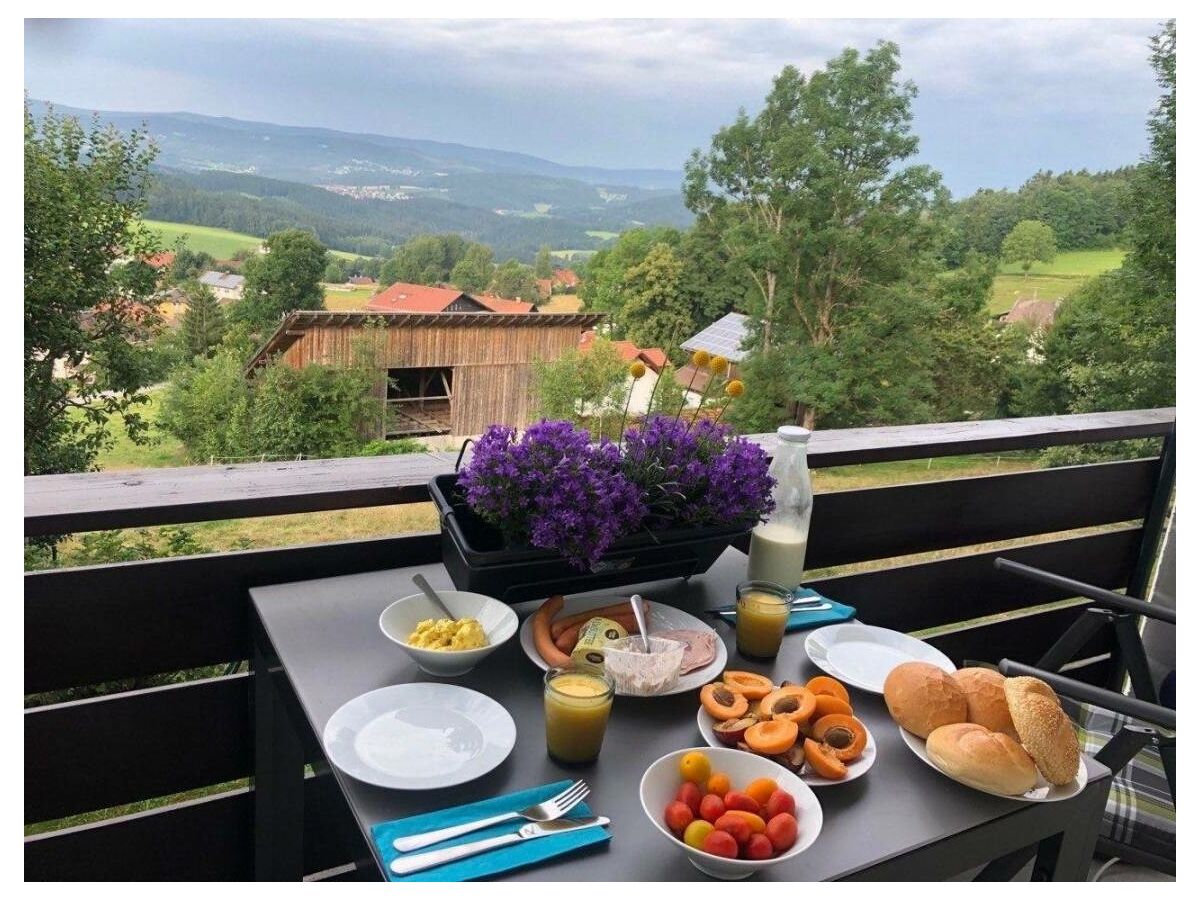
{"x": 477, "y": 558}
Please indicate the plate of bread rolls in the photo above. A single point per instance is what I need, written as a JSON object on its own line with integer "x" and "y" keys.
{"x": 1003, "y": 736}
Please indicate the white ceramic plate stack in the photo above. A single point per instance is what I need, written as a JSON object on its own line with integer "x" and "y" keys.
{"x": 419, "y": 736}
{"x": 863, "y": 655}
{"x": 661, "y": 618}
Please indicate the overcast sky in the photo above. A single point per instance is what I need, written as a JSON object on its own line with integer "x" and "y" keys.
{"x": 999, "y": 99}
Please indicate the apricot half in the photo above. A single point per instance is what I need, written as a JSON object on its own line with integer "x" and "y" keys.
{"x": 822, "y": 763}
{"x": 792, "y": 703}
{"x": 841, "y": 736}
{"x": 823, "y": 684}
{"x": 828, "y": 705}
{"x": 773, "y": 736}
{"x": 722, "y": 703}
{"x": 750, "y": 685}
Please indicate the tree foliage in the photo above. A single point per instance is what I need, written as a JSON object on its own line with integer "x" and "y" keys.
{"x": 514, "y": 280}
{"x": 581, "y": 386}
{"x": 543, "y": 265}
{"x": 87, "y": 292}
{"x": 1113, "y": 344}
{"x": 335, "y": 273}
{"x": 203, "y": 323}
{"x": 285, "y": 278}
{"x": 1029, "y": 241}
{"x": 656, "y": 312}
{"x": 424, "y": 259}
{"x": 474, "y": 271}
{"x": 816, "y": 202}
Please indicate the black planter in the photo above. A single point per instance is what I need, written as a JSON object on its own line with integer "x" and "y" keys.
{"x": 478, "y": 559}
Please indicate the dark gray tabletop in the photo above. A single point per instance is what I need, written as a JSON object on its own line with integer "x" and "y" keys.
{"x": 327, "y": 636}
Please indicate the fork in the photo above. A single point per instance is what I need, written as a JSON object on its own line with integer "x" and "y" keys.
{"x": 554, "y": 808}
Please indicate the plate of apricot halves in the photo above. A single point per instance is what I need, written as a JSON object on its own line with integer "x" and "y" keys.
{"x": 808, "y": 728}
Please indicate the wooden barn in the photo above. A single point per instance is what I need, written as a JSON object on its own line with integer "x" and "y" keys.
{"x": 439, "y": 373}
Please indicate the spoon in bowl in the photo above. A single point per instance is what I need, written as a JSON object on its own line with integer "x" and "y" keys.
{"x": 428, "y": 591}
{"x": 636, "y": 602}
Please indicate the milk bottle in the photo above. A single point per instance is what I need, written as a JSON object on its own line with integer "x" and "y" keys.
{"x": 777, "y": 546}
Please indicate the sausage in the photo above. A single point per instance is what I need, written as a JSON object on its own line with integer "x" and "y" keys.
{"x": 541, "y": 632}
{"x": 567, "y": 639}
{"x": 608, "y": 612}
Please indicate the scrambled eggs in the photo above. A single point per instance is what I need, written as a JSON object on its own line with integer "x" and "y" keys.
{"x": 448, "y": 634}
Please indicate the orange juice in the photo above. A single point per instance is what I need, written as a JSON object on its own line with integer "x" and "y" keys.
{"x": 577, "y": 706}
{"x": 762, "y": 616}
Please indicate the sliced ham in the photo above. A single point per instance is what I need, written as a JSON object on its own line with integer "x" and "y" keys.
{"x": 701, "y": 647}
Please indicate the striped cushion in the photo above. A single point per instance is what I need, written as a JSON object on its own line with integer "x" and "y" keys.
{"x": 1139, "y": 812}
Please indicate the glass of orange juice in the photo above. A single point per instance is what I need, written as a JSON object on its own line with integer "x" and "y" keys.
{"x": 578, "y": 702}
{"x": 763, "y": 608}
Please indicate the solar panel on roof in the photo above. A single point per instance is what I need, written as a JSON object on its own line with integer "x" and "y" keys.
{"x": 724, "y": 337}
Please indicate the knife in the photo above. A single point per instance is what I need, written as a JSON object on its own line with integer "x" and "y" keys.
{"x": 406, "y": 865}
{"x": 794, "y": 606}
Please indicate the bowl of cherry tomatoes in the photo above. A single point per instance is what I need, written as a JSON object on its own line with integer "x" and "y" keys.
{"x": 731, "y": 813}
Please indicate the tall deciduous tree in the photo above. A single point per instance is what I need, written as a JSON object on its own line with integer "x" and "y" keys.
{"x": 285, "y": 278}
{"x": 1029, "y": 241}
{"x": 543, "y": 266}
{"x": 203, "y": 323}
{"x": 87, "y": 294}
{"x": 515, "y": 281}
{"x": 424, "y": 259}
{"x": 656, "y": 312}
{"x": 814, "y": 203}
{"x": 474, "y": 271}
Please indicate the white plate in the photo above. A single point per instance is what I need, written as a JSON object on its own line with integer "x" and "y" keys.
{"x": 419, "y": 736}
{"x": 662, "y": 618}
{"x": 863, "y": 655}
{"x": 1042, "y": 792}
{"x": 858, "y": 768}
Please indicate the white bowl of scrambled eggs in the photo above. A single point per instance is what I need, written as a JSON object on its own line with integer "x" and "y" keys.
{"x": 444, "y": 647}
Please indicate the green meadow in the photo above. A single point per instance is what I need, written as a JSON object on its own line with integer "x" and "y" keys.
{"x": 1050, "y": 281}
{"x": 219, "y": 242}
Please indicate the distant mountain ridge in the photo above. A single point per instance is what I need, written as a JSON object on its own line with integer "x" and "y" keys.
{"x": 183, "y": 136}
{"x": 362, "y": 193}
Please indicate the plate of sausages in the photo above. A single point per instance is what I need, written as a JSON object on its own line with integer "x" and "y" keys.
{"x": 548, "y": 635}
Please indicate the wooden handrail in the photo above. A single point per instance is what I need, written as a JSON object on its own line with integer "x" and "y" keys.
{"x": 90, "y": 501}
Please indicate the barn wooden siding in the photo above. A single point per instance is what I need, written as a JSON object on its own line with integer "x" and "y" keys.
{"x": 491, "y": 354}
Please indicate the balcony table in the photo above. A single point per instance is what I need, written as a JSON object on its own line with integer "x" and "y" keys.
{"x": 320, "y": 642}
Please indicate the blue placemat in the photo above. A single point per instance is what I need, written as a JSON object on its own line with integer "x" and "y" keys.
{"x": 492, "y": 862}
{"x": 799, "y": 621}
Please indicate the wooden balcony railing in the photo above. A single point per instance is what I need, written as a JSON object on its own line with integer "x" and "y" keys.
{"x": 96, "y": 624}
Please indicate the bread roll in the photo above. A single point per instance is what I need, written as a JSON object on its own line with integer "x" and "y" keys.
{"x": 986, "y": 703}
{"x": 1043, "y": 728}
{"x": 921, "y": 697}
{"x": 982, "y": 759}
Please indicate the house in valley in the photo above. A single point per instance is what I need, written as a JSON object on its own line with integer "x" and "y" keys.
{"x": 1038, "y": 314}
{"x": 654, "y": 358}
{"x": 421, "y": 298}
{"x": 724, "y": 337}
{"x": 225, "y": 285}
{"x": 447, "y": 371}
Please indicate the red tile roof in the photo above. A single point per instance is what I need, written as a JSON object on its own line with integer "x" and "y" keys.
{"x": 566, "y": 277}
{"x": 501, "y": 304}
{"x": 545, "y": 286}
{"x": 653, "y": 357}
{"x": 402, "y": 297}
{"x": 160, "y": 260}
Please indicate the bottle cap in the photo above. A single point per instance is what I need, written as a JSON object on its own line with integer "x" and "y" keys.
{"x": 794, "y": 434}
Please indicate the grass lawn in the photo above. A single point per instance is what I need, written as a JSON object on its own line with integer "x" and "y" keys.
{"x": 220, "y": 242}
{"x": 342, "y": 300}
{"x": 562, "y": 303}
{"x": 1050, "y": 281}
{"x": 160, "y": 449}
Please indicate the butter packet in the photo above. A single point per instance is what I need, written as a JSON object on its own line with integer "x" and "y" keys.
{"x": 594, "y": 636}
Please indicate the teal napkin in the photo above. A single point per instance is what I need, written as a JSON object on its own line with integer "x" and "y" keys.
{"x": 491, "y": 862}
{"x": 799, "y": 621}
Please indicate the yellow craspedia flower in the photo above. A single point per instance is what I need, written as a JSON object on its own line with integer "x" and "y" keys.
{"x": 637, "y": 369}
{"x": 735, "y": 388}
{"x": 718, "y": 364}
{"x": 700, "y": 358}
